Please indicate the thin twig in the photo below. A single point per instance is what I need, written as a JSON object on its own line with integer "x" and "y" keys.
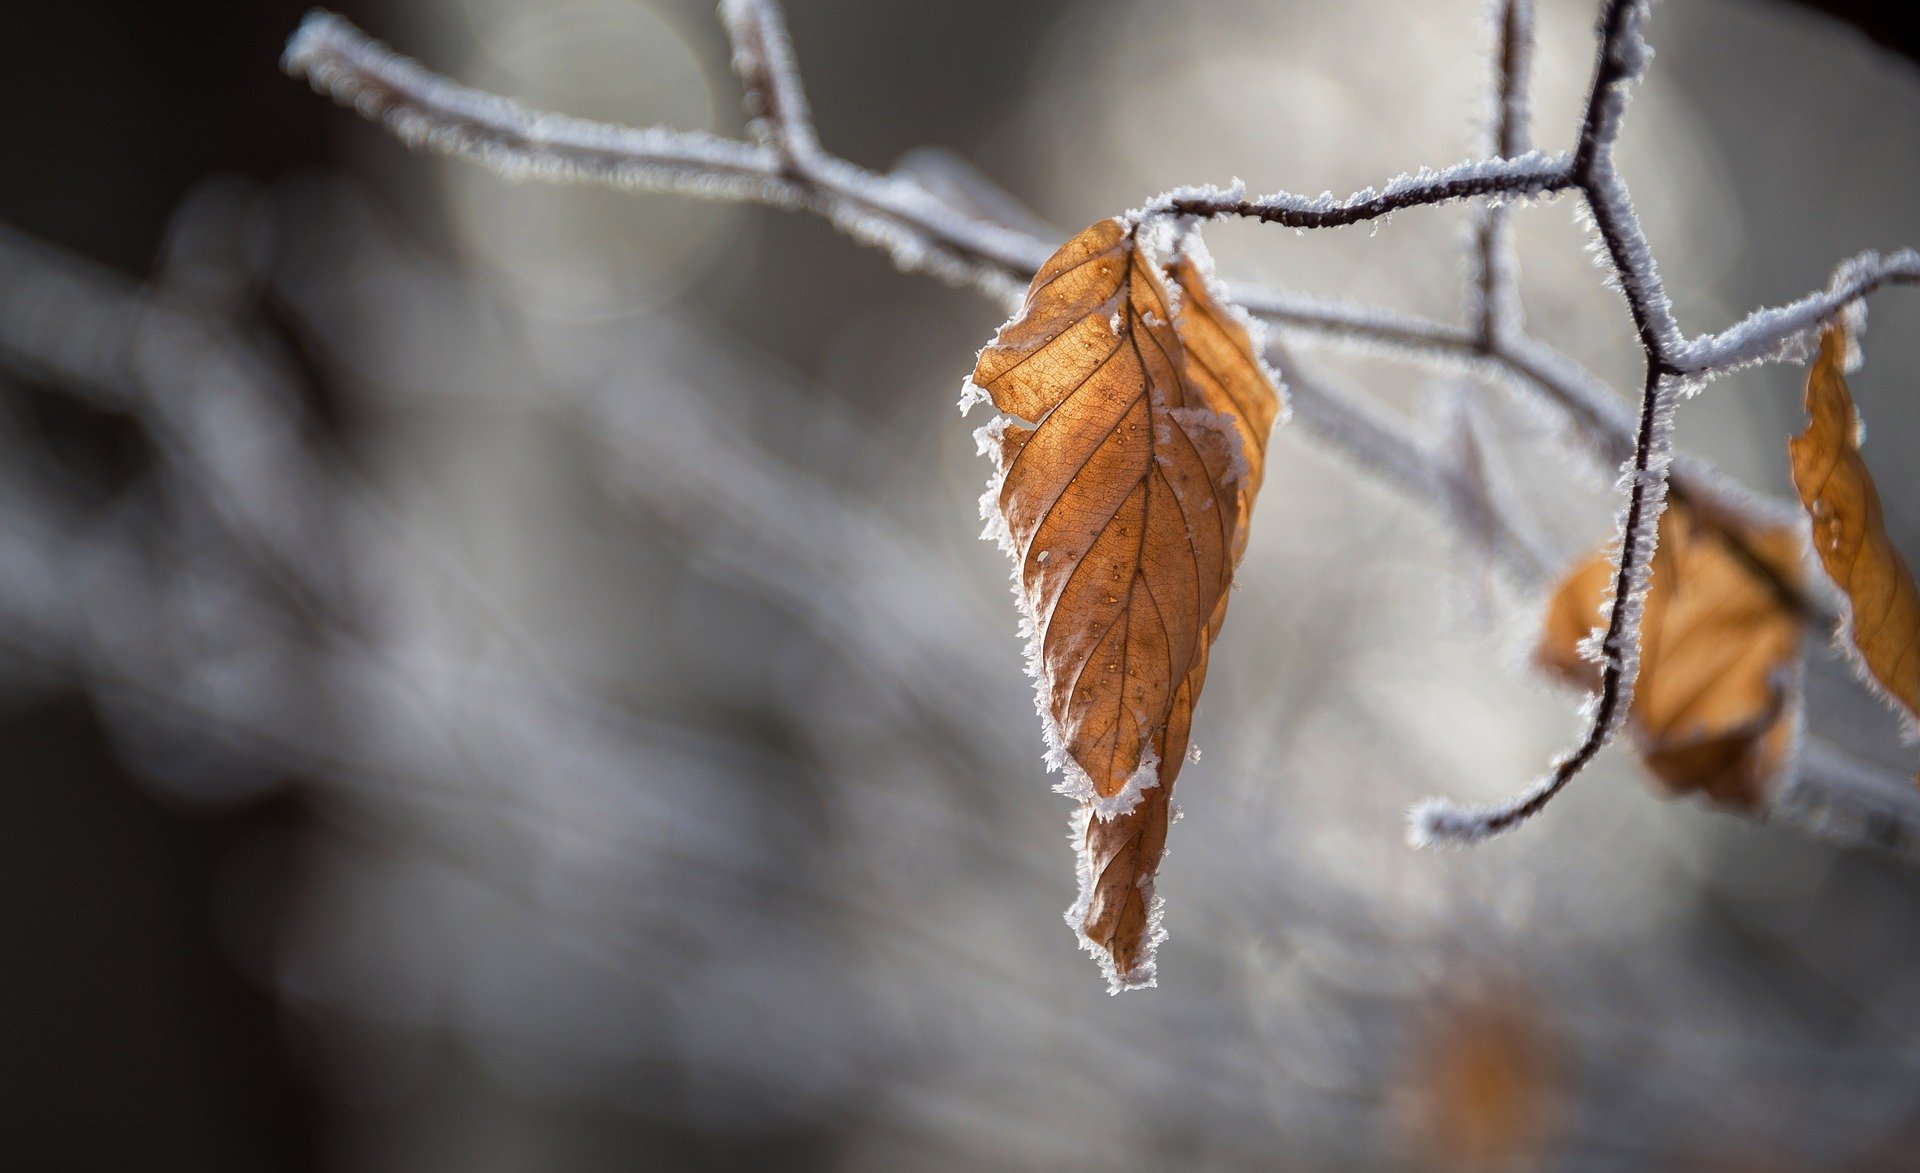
{"x": 1622, "y": 55}
{"x": 1377, "y": 442}
{"x": 1437, "y": 821}
{"x": 1497, "y": 300}
{"x": 1618, "y": 62}
{"x": 426, "y": 110}
{"x": 1782, "y": 333}
{"x": 1532, "y": 174}
{"x": 776, "y": 102}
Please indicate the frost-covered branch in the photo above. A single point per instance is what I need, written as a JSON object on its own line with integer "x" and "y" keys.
{"x": 776, "y": 102}
{"x": 1531, "y": 174}
{"x": 924, "y": 231}
{"x": 1389, "y": 451}
{"x": 1603, "y": 424}
{"x": 898, "y": 213}
{"x": 1438, "y": 821}
{"x": 1782, "y": 333}
{"x": 786, "y": 166}
{"x": 1497, "y": 299}
{"x": 917, "y": 227}
{"x": 921, "y": 229}
{"x": 426, "y": 110}
{"x": 1621, "y": 58}
{"x": 1513, "y": 69}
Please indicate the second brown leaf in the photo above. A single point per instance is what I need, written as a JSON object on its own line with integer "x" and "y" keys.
{"x": 1715, "y": 709}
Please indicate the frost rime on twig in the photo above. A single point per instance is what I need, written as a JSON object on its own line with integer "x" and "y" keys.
{"x": 1436, "y": 821}
{"x": 1531, "y": 174}
{"x": 426, "y": 110}
{"x": 763, "y": 57}
{"x": 1496, "y": 296}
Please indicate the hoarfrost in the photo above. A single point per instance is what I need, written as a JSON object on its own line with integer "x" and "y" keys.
{"x": 426, "y": 110}
{"x": 971, "y": 396}
{"x": 1144, "y": 974}
{"x": 1520, "y": 178}
{"x": 1145, "y": 777}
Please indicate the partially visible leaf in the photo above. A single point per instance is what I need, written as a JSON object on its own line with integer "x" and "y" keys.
{"x": 1713, "y": 711}
{"x": 1123, "y": 501}
{"x": 1117, "y": 915}
{"x": 1484, "y": 1082}
{"x": 1850, "y": 534}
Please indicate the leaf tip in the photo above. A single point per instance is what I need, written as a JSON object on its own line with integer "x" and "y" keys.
{"x": 1141, "y": 947}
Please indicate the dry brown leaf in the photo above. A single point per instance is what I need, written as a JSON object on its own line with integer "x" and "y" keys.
{"x": 1713, "y": 711}
{"x": 1123, "y": 502}
{"x": 1850, "y": 534}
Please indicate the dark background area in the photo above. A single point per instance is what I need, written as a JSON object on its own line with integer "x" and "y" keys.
{"x": 133, "y": 1040}
{"x": 130, "y": 1039}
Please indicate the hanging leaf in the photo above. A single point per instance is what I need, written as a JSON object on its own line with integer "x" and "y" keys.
{"x": 1850, "y": 534}
{"x": 1714, "y": 711}
{"x": 1121, "y": 491}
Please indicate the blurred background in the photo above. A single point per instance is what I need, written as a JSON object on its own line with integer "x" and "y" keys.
{"x": 500, "y": 677}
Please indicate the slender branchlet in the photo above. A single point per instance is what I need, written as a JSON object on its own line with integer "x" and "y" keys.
{"x": 1621, "y": 57}
{"x": 1496, "y": 298}
{"x": 785, "y": 165}
{"x": 426, "y": 110}
{"x": 1785, "y": 333}
{"x": 1375, "y": 439}
{"x": 1513, "y": 70}
{"x": 1437, "y": 821}
{"x": 894, "y": 213}
{"x": 775, "y": 100}
{"x": 1532, "y": 174}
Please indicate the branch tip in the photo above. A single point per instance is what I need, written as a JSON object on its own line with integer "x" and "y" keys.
{"x": 1436, "y": 823}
